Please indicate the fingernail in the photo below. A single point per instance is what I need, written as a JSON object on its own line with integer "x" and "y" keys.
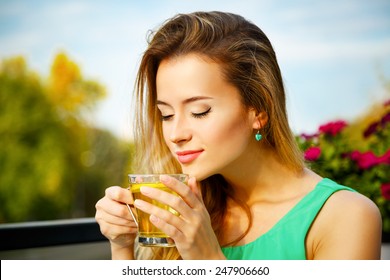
{"x": 153, "y": 219}
{"x": 145, "y": 190}
{"x": 138, "y": 203}
{"x": 164, "y": 178}
{"x": 192, "y": 179}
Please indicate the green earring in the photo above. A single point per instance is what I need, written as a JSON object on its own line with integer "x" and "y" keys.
{"x": 258, "y": 136}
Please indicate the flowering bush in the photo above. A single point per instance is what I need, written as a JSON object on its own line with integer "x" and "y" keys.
{"x": 354, "y": 156}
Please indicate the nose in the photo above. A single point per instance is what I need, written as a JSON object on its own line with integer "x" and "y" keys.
{"x": 179, "y": 130}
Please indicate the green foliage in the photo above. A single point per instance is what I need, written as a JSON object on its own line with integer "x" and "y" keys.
{"x": 69, "y": 92}
{"x": 355, "y": 155}
{"x": 52, "y": 164}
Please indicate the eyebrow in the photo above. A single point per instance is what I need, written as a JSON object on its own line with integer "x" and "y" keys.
{"x": 186, "y": 101}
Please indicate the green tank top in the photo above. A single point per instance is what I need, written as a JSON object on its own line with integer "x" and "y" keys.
{"x": 286, "y": 239}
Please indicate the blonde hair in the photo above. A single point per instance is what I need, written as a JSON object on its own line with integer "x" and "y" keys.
{"x": 248, "y": 62}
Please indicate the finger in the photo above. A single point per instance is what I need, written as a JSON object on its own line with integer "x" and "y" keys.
{"x": 109, "y": 223}
{"x": 163, "y": 219}
{"x": 104, "y": 217}
{"x": 184, "y": 191}
{"x": 174, "y": 201}
{"x": 113, "y": 208}
{"x": 118, "y": 228}
{"x": 195, "y": 188}
{"x": 113, "y": 231}
{"x": 119, "y": 194}
{"x": 169, "y": 229}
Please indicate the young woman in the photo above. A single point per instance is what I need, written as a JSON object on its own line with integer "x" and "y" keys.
{"x": 211, "y": 104}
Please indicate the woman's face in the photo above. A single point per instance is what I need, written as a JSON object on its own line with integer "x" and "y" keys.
{"x": 205, "y": 124}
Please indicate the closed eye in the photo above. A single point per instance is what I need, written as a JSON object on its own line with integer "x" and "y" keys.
{"x": 202, "y": 114}
{"x": 166, "y": 117}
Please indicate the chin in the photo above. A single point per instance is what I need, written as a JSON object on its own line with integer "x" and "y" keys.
{"x": 200, "y": 175}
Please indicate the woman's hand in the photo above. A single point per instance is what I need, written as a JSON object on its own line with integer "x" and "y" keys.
{"x": 191, "y": 231}
{"x": 116, "y": 222}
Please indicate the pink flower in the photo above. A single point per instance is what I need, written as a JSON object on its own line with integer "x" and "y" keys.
{"x": 309, "y": 136}
{"x": 385, "y": 119}
{"x": 365, "y": 160}
{"x": 332, "y": 128}
{"x": 386, "y": 103}
{"x": 375, "y": 126}
{"x": 385, "y": 190}
{"x": 312, "y": 153}
{"x": 354, "y": 155}
{"x": 371, "y": 129}
{"x": 385, "y": 158}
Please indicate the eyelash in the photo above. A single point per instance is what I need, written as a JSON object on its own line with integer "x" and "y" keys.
{"x": 201, "y": 115}
{"x": 166, "y": 118}
{"x": 195, "y": 115}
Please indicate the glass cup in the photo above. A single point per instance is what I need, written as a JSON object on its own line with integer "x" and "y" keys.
{"x": 148, "y": 234}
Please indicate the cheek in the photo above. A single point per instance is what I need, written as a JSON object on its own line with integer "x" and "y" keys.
{"x": 231, "y": 133}
{"x": 165, "y": 132}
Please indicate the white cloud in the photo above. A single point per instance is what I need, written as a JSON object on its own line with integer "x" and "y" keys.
{"x": 296, "y": 50}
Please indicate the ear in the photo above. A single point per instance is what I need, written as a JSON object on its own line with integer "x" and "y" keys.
{"x": 260, "y": 120}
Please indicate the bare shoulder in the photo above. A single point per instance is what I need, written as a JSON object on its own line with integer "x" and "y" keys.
{"x": 349, "y": 226}
{"x": 352, "y": 205}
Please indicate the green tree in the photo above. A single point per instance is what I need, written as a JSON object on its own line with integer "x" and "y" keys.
{"x": 32, "y": 157}
{"x": 53, "y": 164}
{"x": 69, "y": 92}
{"x": 105, "y": 163}
{"x": 356, "y": 154}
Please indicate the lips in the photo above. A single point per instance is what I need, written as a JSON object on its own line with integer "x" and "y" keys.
{"x": 188, "y": 156}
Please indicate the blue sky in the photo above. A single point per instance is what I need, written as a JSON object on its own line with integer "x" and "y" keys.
{"x": 331, "y": 53}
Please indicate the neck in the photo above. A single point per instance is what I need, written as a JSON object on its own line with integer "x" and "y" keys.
{"x": 259, "y": 175}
